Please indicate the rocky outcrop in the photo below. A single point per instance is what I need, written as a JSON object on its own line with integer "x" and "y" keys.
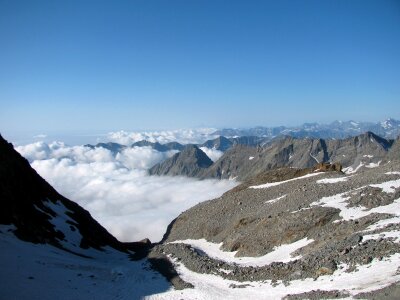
{"x": 191, "y": 161}
{"x": 113, "y": 147}
{"x": 32, "y": 206}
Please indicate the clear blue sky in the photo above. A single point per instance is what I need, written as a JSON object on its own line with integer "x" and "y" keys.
{"x": 109, "y": 65}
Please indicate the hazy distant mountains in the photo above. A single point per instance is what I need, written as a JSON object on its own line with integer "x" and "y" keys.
{"x": 389, "y": 128}
{"x": 247, "y": 152}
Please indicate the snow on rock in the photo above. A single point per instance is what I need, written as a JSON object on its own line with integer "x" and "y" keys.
{"x": 281, "y": 253}
{"x": 267, "y": 185}
{"x": 366, "y": 278}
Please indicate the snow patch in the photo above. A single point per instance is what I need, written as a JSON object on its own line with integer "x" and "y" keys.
{"x": 251, "y": 157}
{"x": 352, "y": 213}
{"x": 370, "y": 277}
{"x": 267, "y": 185}
{"x": 389, "y": 186}
{"x": 275, "y": 200}
{"x": 373, "y": 165}
{"x": 393, "y": 173}
{"x": 280, "y": 253}
{"x": 351, "y": 170}
{"x": 332, "y": 180}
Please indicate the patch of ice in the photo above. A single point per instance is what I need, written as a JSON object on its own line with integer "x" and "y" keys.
{"x": 275, "y": 200}
{"x": 280, "y": 253}
{"x": 267, "y": 185}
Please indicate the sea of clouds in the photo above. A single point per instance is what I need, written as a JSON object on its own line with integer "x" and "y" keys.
{"x": 116, "y": 189}
{"x": 183, "y": 136}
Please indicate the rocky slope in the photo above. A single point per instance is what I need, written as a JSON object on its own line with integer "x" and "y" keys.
{"x": 290, "y": 225}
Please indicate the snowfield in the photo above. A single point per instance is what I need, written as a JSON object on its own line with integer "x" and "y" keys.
{"x": 366, "y": 278}
{"x": 30, "y": 271}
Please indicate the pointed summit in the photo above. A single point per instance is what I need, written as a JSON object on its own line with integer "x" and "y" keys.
{"x": 191, "y": 161}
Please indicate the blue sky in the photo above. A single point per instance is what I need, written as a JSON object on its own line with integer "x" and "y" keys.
{"x": 95, "y": 66}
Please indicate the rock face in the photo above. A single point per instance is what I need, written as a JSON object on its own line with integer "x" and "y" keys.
{"x": 113, "y": 147}
{"x": 245, "y": 162}
{"x": 36, "y": 209}
{"x": 191, "y": 161}
{"x": 394, "y": 151}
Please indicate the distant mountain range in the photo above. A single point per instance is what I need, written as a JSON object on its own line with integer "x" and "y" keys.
{"x": 247, "y": 152}
{"x": 389, "y": 128}
{"x": 366, "y": 150}
{"x": 229, "y": 137}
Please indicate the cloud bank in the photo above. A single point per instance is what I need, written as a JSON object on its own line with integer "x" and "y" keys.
{"x": 183, "y": 136}
{"x": 116, "y": 190}
{"x": 213, "y": 154}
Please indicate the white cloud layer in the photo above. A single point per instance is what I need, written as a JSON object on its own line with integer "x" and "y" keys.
{"x": 184, "y": 136}
{"x": 117, "y": 190}
{"x": 213, "y": 154}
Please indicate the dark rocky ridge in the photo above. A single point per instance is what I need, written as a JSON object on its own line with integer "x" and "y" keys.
{"x": 23, "y": 194}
